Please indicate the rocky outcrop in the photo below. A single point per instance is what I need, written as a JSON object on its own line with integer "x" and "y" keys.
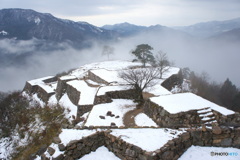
{"x": 172, "y": 81}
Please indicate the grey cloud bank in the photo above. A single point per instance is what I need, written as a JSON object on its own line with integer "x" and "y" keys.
{"x": 141, "y": 12}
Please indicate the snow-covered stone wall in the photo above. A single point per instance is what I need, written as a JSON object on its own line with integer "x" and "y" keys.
{"x": 172, "y": 150}
{"x": 164, "y": 119}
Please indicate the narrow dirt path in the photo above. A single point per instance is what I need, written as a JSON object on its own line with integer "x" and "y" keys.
{"x": 128, "y": 119}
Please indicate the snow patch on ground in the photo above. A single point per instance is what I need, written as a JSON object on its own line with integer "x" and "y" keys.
{"x": 146, "y": 138}
{"x": 200, "y": 153}
{"x": 52, "y": 100}
{"x": 183, "y": 102}
{"x": 102, "y": 153}
{"x": 6, "y": 148}
{"x": 69, "y": 106}
{"x": 108, "y": 65}
{"x": 37, "y": 20}
{"x": 143, "y": 120}
{"x": 158, "y": 90}
{"x": 84, "y": 116}
{"x": 118, "y": 107}
{"x": 35, "y": 99}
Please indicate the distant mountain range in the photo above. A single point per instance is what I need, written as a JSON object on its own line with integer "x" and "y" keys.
{"x": 229, "y": 29}
{"x": 24, "y": 24}
{"x": 212, "y": 28}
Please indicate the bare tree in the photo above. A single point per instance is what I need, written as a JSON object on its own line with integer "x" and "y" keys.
{"x": 162, "y": 63}
{"x": 107, "y": 50}
{"x": 140, "y": 79}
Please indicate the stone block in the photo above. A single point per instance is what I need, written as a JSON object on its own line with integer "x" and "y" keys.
{"x": 168, "y": 155}
{"x": 227, "y": 142}
{"x": 61, "y": 147}
{"x": 51, "y": 151}
{"x": 56, "y": 140}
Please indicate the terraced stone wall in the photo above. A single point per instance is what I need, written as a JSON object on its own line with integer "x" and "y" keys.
{"x": 61, "y": 87}
{"x": 43, "y": 94}
{"x": 164, "y": 119}
{"x": 96, "y": 78}
{"x": 229, "y": 120}
{"x": 107, "y": 98}
{"x": 73, "y": 94}
{"x": 79, "y": 148}
{"x": 30, "y": 89}
{"x": 172, "y": 150}
{"x": 83, "y": 109}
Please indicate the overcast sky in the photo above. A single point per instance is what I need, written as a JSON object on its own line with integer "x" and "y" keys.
{"x": 140, "y": 12}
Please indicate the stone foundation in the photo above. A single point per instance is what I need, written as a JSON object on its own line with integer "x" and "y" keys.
{"x": 30, "y": 89}
{"x": 164, "y": 119}
{"x": 73, "y": 94}
{"x": 62, "y": 87}
{"x": 95, "y": 78}
{"x": 43, "y": 95}
{"x": 83, "y": 109}
{"x": 229, "y": 120}
{"x": 123, "y": 94}
{"x": 172, "y": 150}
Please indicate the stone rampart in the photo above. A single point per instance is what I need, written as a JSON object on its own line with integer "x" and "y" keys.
{"x": 164, "y": 119}
{"x": 172, "y": 150}
{"x": 229, "y": 120}
{"x": 73, "y": 94}
{"x": 108, "y": 96}
{"x": 84, "y": 109}
{"x": 62, "y": 87}
{"x": 96, "y": 78}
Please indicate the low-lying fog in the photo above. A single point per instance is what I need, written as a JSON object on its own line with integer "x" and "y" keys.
{"x": 219, "y": 59}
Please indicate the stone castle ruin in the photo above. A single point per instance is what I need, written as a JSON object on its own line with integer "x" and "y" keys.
{"x": 96, "y": 84}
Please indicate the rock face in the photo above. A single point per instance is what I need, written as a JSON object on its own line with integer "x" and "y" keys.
{"x": 175, "y": 79}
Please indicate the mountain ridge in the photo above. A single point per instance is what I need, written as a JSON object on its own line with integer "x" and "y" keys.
{"x": 25, "y": 24}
